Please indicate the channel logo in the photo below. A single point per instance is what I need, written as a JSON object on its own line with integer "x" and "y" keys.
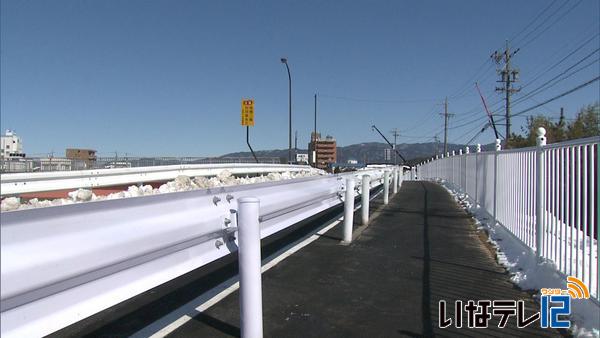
{"x": 576, "y": 288}
{"x": 555, "y": 308}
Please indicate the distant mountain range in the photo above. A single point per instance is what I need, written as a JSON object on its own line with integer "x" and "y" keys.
{"x": 370, "y": 152}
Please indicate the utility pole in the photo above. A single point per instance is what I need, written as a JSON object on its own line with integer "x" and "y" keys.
{"x": 508, "y": 76}
{"x": 315, "y": 131}
{"x": 446, "y": 117}
{"x": 396, "y": 134}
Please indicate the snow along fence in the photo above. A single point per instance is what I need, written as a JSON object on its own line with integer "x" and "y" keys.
{"x": 546, "y": 196}
{"x": 62, "y": 264}
{"x": 20, "y": 183}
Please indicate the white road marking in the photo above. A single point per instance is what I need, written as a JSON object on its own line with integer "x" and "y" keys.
{"x": 177, "y": 318}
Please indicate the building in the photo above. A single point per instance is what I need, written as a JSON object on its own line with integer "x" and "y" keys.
{"x": 322, "y": 151}
{"x": 12, "y": 146}
{"x": 86, "y": 155}
{"x": 302, "y": 158}
{"x": 56, "y": 164}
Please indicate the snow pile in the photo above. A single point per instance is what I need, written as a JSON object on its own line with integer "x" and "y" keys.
{"x": 180, "y": 183}
{"x": 526, "y": 272}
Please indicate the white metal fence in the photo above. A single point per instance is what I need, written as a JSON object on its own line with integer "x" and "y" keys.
{"x": 62, "y": 264}
{"x": 46, "y": 164}
{"x": 553, "y": 188}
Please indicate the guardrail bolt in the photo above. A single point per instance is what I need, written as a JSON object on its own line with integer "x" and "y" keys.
{"x": 216, "y": 200}
{"x": 218, "y": 244}
{"x": 227, "y": 221}
{"x": 229, "y": 197}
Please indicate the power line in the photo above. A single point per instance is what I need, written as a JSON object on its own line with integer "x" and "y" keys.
{"x": 581, "y": 86}
{"x": 544, "y": 72}
{"x": 526, "y": 43}
{"x": 464, "y": 88}
{"x": 585, "y": 84}
{"x": 548, "y": 84}
{"x": 561, "y": 79}
{"x": 470, "y": 122}
{"x": 347, "y": 98}
{"x": 430, "y": 114}
{"x": 514, "y": 37}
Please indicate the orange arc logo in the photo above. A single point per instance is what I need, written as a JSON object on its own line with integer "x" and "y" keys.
{"x": 577, "y": 289}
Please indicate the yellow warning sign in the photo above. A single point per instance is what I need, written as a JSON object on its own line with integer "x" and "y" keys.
{"x": 247, "y": 112}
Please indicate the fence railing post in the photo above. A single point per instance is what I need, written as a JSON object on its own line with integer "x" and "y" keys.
{"x": 386, "y": 187}
{"x": 395, "y": 180}
{"x": 539, "y": 191}
{"x": 366, "y": 182}
{"x": 498, "y": 148}
{"x": 349, "y": 210}
{"x": 249, "y": 266}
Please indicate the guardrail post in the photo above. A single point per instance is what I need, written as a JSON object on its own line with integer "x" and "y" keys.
{"x": 366, "y": 182}
{"x": 349, "y": 210}
{"x": 539, "y": 192}
{"x": 395, "y": 180}
{"x": 400, "y": 176}
{"x": 249, "y": 266}
{"x": 498, "y": 148}
{"x": 386, "y": 187}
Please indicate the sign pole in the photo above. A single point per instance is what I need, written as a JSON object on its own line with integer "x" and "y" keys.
{"x": 248, "y": 142}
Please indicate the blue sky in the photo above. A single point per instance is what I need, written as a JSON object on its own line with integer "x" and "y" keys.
{"x": 167, "y": 77}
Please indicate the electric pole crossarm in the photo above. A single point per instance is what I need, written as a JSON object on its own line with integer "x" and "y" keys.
{"x": 388, "y": 142}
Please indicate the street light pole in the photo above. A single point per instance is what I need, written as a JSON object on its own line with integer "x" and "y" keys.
{"x": 284, "y": 61}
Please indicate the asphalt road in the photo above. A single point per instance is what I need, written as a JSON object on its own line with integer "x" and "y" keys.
{"x": 420, "y": 249}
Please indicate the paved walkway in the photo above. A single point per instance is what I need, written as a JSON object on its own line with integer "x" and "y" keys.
{"x": 420, "y": 249}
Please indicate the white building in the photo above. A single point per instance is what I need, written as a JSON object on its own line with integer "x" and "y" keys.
{"x": 302, "y": 158}
{"x": 11, "y": 144}
{"x": 56, "y": 164}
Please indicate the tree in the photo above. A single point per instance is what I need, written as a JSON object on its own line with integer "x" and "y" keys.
{"x": 530, "y": 131}
{"x": 584, "y": 125}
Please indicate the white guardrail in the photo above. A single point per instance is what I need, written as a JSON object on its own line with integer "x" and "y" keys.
{"x": 20, "y": 183}
{"x": 546, "y": 196}
{"x": 62, "y": 264}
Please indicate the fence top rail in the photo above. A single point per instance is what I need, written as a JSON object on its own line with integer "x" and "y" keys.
{"x": 570, "y": 143}
{"x": 10, "y": 177}
{"x": 577, "y": 142}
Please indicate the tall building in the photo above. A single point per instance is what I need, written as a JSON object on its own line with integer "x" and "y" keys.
{"x": 322, "y": 151}
{"x": 12, "y": 146}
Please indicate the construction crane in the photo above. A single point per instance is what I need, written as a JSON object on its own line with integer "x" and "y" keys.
{"x": 388, "y": 142}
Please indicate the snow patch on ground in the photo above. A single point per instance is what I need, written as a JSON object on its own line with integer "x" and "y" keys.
{"x": 180, "y": 183}
{"x": 521, "y": 262}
